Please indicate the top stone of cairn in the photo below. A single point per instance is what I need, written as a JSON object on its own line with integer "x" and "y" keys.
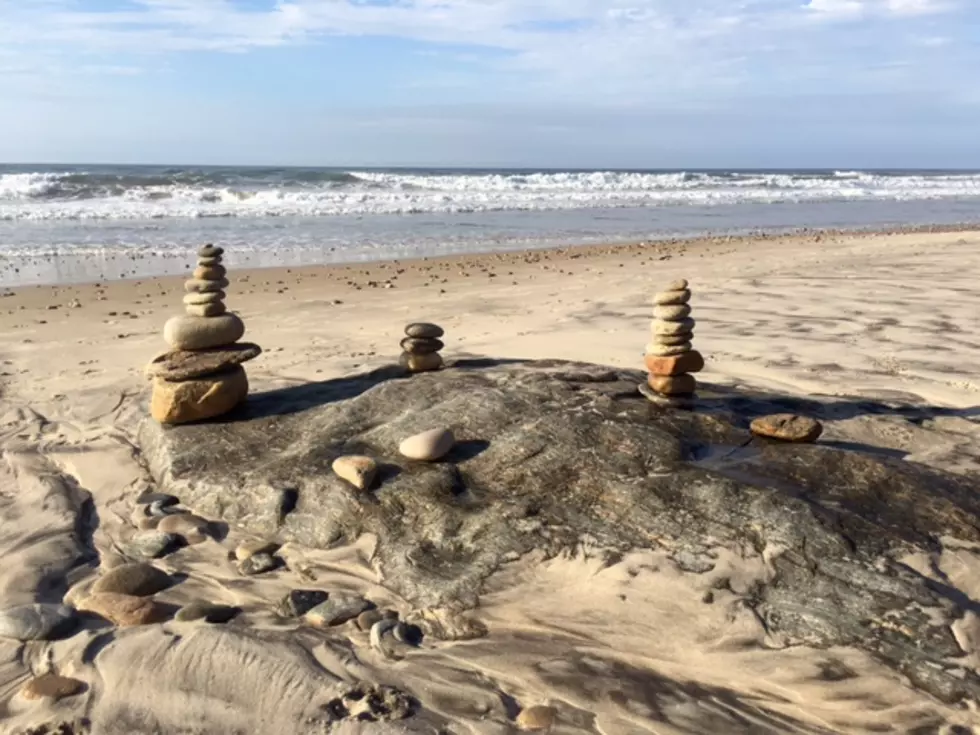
{"x": 210, "y": 251}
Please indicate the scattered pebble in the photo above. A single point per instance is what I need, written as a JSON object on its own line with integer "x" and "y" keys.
{"x": 257, "y": 564}
{"x": 51, "y": 686}
{"x": 536, "y": 718}
{"x": 151, "y": 544}
{"x": 207, "y": 611}
{"x": 339, "y": 608}
{"x": 246, "y": 549}
{"x": 138, "y": 579}
{"x": 429, "y": 445}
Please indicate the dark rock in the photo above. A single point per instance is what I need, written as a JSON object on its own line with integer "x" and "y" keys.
{"x": 424, "y": 330}
{"x": 299, "y": 602}
{"x": 257, "y": 564}
{"x": 208, "y": 612}
{"x": 570, "y": 457}
{"x": 339, "y": 608}
{"x": 35, "y": 622}
{"x": 151, "y": 544}
{"x": 179, "y": 365}
{"x": 162, "y": 500}
{"x": 138, "y": 579}
{"x": 51, "y": 686}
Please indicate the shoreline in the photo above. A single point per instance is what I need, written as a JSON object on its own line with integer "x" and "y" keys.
{"x": 12, "y": 266}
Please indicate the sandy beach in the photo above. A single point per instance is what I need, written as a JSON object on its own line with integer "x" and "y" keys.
{"x": 624, "y": 647}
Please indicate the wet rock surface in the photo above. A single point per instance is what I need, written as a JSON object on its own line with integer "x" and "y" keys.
{"x": 549, "y": 453}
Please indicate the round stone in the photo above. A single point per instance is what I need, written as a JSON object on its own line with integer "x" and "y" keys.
{"x": 124, "y": 610}
{"x": 658, "y": 350}
{"x": 138, "y": 579}
{"x": 40, "y": 621}
{"x": 672, "y": 339}
{"x": 196, "y": 285}
{"x": 684, "y": 326}
{"x": 672, "y": 385}
{"x": 180, "y": 365}
{"x": 257, "y": 564}
{"x": 787, "y": 427}
{"x": 210, "y": 251}
{"x": 215, "y": 309}
{"x": 151, "y": 544}
{"x": 358, "y": 471}
{"x": 209, "y": 272}
{"x": 672, "y": 312}
{"x": 421, "y": 363}
{"x": 421, "y": 345}
{"x": 198, "y": 399}
{"x": 200, "y": 333}
{"x": 51, "y": 686}
{"x": 428, "y": 446}
{"x": 206, "y": 611}
{"x": 672, "y": 297}
{"x": 209, "y": 297}
{"x": 535, "y": 719}
{"x": 424, "y": 330}
{"x": 679, "y": 285}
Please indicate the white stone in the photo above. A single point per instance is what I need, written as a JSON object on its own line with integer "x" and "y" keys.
{"x": 429, "y": 445}
{"x": 196, "y": 285}
{"x": 200, "y": 333}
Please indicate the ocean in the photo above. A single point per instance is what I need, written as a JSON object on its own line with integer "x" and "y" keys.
{"x": 85, "y": 223}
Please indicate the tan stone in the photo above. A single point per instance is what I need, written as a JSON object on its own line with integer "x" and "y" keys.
{"x": 209, "y": 272}
{"x": 684, "y": 326}
{"x": 672, "y": 385}
{"x": 200, "y": 333}
{"x": 51, "y": 686}
{"x": 680, "y": 284}
{"x": 193, "y": 528}
{"x": 204, "y": 298}
{"x": 196, "y": 285}
{"x": 689, "y": 362}
{"x": 214, "y": 309}
{"x": 535, "y": 719}
{"x": 788, "y": 427}
{"x": 358, "y": 471}
{"x": 216, "y": 260}
{"x": 672, "y": 339}
{"x": 672, "y": 297}
{"x": 124, "y": 610}
{"x": 658, "y": 350}
{"x": 198, "y": 399}
{"x": 428, "y": 446}
{"x": 671, "y": 312}
{"x": 421, "y": 363}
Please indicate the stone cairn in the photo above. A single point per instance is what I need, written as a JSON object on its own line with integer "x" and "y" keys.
{"x": 420, "y": 348}
{"x": 201, "y": 377}
{"x": 670, "y": 358}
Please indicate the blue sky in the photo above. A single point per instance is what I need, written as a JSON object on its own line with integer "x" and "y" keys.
{"x": 617, "y": 83}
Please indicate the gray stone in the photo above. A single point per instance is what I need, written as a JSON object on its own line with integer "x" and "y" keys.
{"x": 151, "y": 544}
{"x": 550, "y": 452}
{"x": 163, "y": 499}
{"x": 339, "y": 608}
{"x": 203, "y": 332}
{"x": 197, "y": 285}
{"x": 40, "y": 621}
{"x": 178, "y": 365}
{"x": 207, "y": 611}
{"x": 421, "y": 346}
{"x": 299, "y": 602}
{"x": 257, "y": 564}
{"x": 428, "y": 446}
{"x": 424, "y": 330}
{"x": 138, "y": 579}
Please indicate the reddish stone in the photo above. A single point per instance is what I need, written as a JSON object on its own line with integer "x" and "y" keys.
{"x": 688, "y": 362}
{"x": 673, "y": 385}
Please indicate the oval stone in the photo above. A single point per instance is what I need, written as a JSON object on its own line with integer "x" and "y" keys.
{"x": 684, "y": 326}
{"x": 198, "y": 399}
{"x": 421, "y": 363}
{"x": 209, "y": 272}
{"x": 206, "y": 611}
{"x": 151, "y": 544}
{"x": 51, "y": 686}
{"x": 339, "y": 608}
{"x": 196, "y": 285}
{"x": 787, "y": 427}
{"x": 672, "y": 297}
{"x": 424, "y": 330}
{"x": 671, "y": 312}
{"x": 659, "y": 350}
{"x": 534, "y": 719}
{"x": 200, "y": 333}
{"x": 208, "y": 297}
{"x": 193, "y": 528}
{"x": 137, "y": 579}
{"x": 39, "y": 621}
{"x": 673, "y": 385}
{"x": 210, "y": 251}
{"x": 214, "y": 309}
{"x": 429, "y": 445}
{"x": 421, "y": 345}
{"x": 124, "y": 610}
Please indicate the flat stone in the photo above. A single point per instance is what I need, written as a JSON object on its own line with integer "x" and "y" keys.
{"x": 535, "y": 719}
{"x": 250, "y": 548}
{"x": 216, "y": 260}
{"x": 661, "y": 350}
{"x": 787, "y": 427}
{"x": 672, "y": 297}
{"x": 124, "y": 610}
{"x": 209, "y": 272}
{"x": 198, "y": 399}
{"x": 689, "y": 362}
{"x": 215, "y": 309}
{"x": 208, "y": 612}
{"x": 679, "y": 285}
{"x": 210, "y": 297}
{"x": 339, "y": 608}
{"x": 424, "y": 330}
{"x": 684, "y": 328}
{"x": 197, "y": 285}
{"x": 192, "y": 528}
{"x": 421, "y": 345}
{"x": 421, "y": 363}
{"x": 51, "y": 686}
{"x": 200, "y": 333}
{"x": 178, "y": 365}
{"x": 151, "y": 544}
{"x": 671, "y": 312}
{"x": 210, "y": 251}
{"x": 428, "y": 446}
{"x": 138, "y": 579}
{"x": 367, "y": 619}
{"x": 672, "y": 339}
{"x": 357, "y": 470}
{"x": 672, "y": 385}
{"x": 299, "y": 602}
{"x": 678, "y": 402}
{"x": 257, "y": 564}
{"x": 36, "y": 622}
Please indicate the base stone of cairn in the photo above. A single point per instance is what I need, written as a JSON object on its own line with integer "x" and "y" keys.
{"x": 421, "y": 346}
{"x": 202, "y": 376}
{"x": 670, "y": 358}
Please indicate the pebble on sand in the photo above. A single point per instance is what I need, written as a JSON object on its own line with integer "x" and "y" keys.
{"x": 207, "y": 611}
{"x": 39, "y": 621}
{"x": 787, "y": 427}
{"x": 250, "y": 548}
{"x": 257, "y": 564}
{"x": 200, "y": 332}
{"x": 534, "y": 719}
{"x": 51, "y": 686}
{"x": 359, "y": 471}
{"x": 124, "y": 610}
{"x": 339, "y": 608}
{"x": 428, "y": 446}
{"x": 193, "y": 528}
{"x": 138, "y": 579}
{"x": 672, "y": 297}
{"x": 151, "y": 544}
{"x": 299, "y": 602}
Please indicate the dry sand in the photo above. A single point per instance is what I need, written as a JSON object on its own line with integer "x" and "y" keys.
{"x": 627, "y": 647}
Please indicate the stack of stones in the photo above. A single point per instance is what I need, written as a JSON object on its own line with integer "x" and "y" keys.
{"x": 201, "y": 377}
{"x": 670, "y": 358}
{"x": 421, "y": 347}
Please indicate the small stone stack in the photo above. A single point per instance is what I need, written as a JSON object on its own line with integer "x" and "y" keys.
{"x": 421, "y": 347}
{"x": 201, "y": 377}
{"x": 670, "y": 358}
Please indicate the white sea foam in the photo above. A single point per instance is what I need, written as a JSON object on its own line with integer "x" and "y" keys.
{"x": 38, "y": 196}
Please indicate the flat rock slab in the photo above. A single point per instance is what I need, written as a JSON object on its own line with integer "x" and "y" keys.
{"x": 548, "y": 453}
{"x": 186, "y": 364}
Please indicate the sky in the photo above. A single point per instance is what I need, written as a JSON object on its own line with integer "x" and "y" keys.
{"x": 556, "y": 83}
